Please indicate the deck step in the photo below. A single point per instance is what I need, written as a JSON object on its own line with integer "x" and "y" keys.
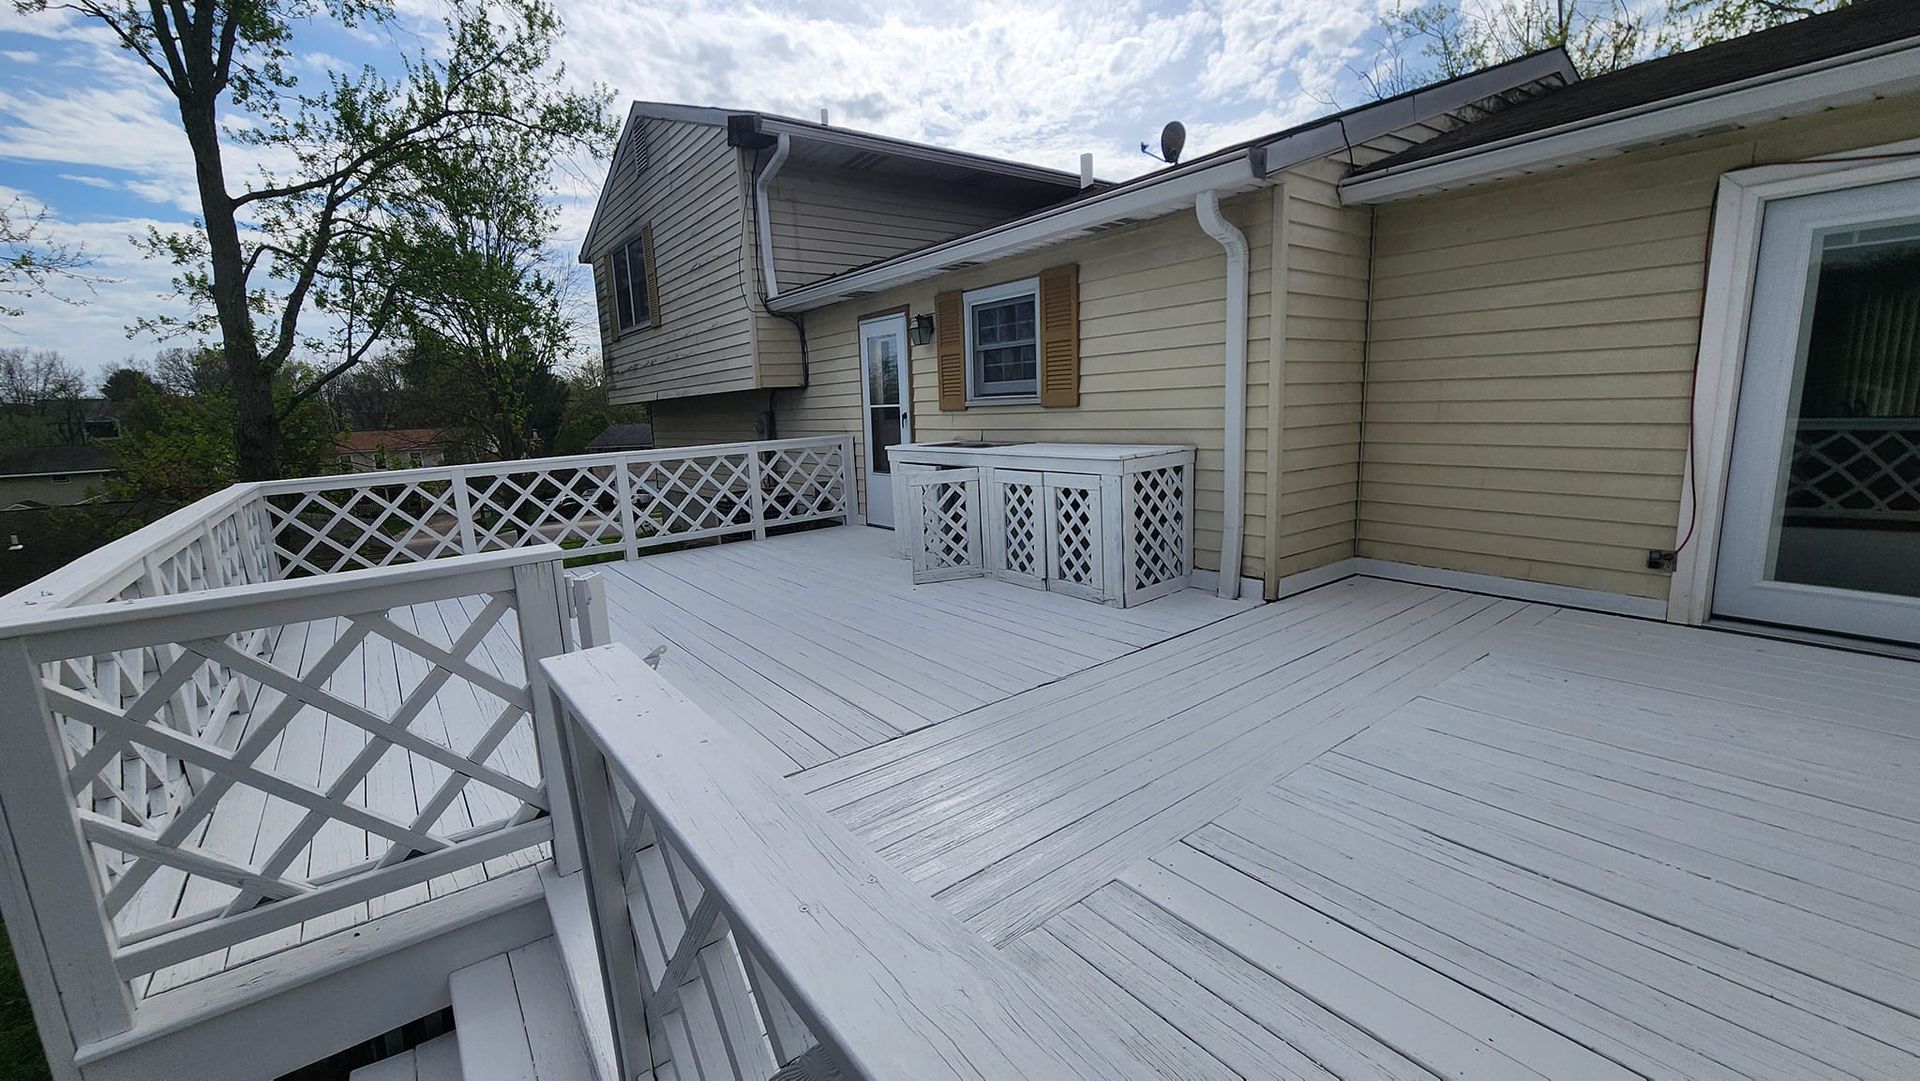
{"x": 436, "y": 1060}
{"x": 580, "y": 959}
{"x": 515, "y": 1018}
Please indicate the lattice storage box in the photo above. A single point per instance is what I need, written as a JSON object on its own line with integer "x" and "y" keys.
{"x": 1108, "y": 523}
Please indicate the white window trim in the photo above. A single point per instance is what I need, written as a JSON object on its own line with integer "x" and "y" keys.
{"x": 993, "y": 294}
{"x": 1738, "y": 209}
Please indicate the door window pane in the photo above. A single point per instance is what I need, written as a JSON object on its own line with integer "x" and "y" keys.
{"x": 1849, "y": 514}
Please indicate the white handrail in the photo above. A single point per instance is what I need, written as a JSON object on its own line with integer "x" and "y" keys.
{"x": 886, "y": 980}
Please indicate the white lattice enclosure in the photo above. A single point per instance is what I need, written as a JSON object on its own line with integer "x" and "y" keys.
{"x": 1016, "y": 527}
{"x": 943, "y": 517}
{"x": 1106, "y": 523}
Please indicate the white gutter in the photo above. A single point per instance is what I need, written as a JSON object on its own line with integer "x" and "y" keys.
{"x": 763, "y": 217}
{"x": 1844, "y": 80}
{"x": 1206, "y": 207}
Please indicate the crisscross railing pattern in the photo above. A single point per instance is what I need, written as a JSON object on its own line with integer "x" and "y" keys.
{"x": 1156, "y": 517}
{"x": 384, "y": 749}
{"x": 589, "y": 504}
{"x": 1861, "y": 468}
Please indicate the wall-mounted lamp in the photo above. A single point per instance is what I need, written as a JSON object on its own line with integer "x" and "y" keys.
{"x": 922, "y": 330}
{"x": 13, "y": 542}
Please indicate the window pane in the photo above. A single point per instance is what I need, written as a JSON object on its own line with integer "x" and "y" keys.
{"x": 637, "y": 267}
{"x": 1005, "y": 354}
{"x": 1003, "y": 323}
{"x": 886, "y": 433}
{"x": 622, "y": 289}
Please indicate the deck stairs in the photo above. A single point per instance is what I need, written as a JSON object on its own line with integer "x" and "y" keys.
{"x": 539, "y": 1012}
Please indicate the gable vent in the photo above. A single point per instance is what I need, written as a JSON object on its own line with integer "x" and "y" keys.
{"x": 640, "y": 148}
{"x": 863, "y": 161}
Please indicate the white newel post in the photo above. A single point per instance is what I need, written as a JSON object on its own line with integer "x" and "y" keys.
{"x": 849, "y": 495}
{"x": 589, "y": 593}
{"x": 629, "y": 521}
{"x": 50, "y": 894}
{"x": 463, "y": 509}
{"x": 545, "y": 632}
{"x": 757, "y": 492}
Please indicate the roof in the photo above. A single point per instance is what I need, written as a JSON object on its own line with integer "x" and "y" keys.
{"x": 1820, "y": 40}
{"x": 623, "y": 437}
{"x": 59, "y": 458}
{"x": 392, "y": 439}
{"x": 1239, "y": 167}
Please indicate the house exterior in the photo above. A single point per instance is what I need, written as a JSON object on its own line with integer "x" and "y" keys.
{"x": 622, "y": 437}
{"x": 682, "y": 263}
{"x": 1471, "y": 323}
{"x": 391, "y": 448}
{"x": 53, "y": 476}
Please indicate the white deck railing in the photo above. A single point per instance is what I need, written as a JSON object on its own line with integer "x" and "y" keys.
{"x": 202, "y": 760}
{"x": 740, "y": 928}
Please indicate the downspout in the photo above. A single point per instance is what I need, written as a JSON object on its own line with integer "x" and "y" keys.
{"x": 1206, "y": 207}
{"x": 763, "y": 216}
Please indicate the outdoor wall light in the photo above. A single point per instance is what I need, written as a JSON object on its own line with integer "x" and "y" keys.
{"x": 922, "y": 330}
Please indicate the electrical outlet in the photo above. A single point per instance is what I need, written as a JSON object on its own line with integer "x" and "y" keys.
{"x": 1660, "y": 559}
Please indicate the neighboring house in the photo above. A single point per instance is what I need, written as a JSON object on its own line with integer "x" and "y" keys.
{"x": 622, "y": 437}
{"x": 682, "y": 265}
{"x": 55, "y": 476}
{"x": 391, "y": 448}
{"x": 1482, "y": 301}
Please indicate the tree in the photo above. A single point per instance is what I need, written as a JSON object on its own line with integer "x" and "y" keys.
{"x": 31, "y": 261}
{"x": 43, "y": 397}
{"x": 1447, "y": 38}
{"x": 360, "y": 150}
{"x": 483, "y": 314}
{"x": 588, "y": 410}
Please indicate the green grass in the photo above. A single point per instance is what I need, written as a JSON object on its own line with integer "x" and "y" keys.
{"x": 20, "y": 1056}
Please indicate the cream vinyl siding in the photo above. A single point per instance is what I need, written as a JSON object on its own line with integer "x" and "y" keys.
{"x": 1532, "y": 353}
{"x": 1324, "y": 350}
{"x": 1152, "y": 303}
{"x": 692, "y": 194}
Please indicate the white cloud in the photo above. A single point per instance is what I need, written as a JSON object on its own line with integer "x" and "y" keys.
{"x": 1034, "y": 80}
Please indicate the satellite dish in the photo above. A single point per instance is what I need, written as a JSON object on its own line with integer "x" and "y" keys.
{"x": 1173, "y": 139}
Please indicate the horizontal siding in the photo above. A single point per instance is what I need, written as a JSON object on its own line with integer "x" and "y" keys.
{"x": 824, "y": 223}
{"x": 692, "y": 195}
{"x": 1532, "y": 353}
{"x": 1152, "y": 306}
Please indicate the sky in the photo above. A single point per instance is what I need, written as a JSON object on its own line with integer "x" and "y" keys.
{"x": 88, "y": 135}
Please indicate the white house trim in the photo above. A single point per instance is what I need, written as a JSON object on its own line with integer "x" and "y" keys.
{"x": 1893, "y": 68}
{"x": 1731, "y": 262}
{"x": 1520, "y": 589}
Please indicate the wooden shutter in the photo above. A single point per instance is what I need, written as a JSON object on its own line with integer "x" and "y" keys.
{"x": 951, "y": 347}
{"x": 1060, "y": 336}
{"x": 653, "y": 278}
{"x": 604, "y": 301}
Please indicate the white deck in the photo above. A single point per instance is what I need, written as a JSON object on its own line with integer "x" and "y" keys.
{"x": 1376, "y": 830}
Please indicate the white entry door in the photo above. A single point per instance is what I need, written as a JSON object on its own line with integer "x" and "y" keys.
{"x": 887, "y": 398}
{"x": 1822, "y": 526}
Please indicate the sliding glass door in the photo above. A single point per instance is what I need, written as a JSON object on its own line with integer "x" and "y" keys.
{"x": 1822, "y": 526}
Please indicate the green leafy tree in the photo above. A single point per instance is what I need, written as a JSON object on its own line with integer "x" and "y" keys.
{"x": 484, "y": 313}
{"x": 32, "y": 261}
{"x": 588, "y": 410}
{"x": 357, "y": 153}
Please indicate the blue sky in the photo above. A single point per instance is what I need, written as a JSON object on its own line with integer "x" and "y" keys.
{"x": 88, "y": 134}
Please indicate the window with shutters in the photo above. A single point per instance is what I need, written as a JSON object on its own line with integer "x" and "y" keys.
{"x": 630, "y": 299}
{"x": 1003, "y": 343}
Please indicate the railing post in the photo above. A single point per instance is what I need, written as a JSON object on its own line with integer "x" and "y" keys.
{"x": 544, "y": 632}
{"x": 463, "y": 509}
{"x": 601, "y": 836}
{"x": 757, "y": 492}
{"x": 50, "y": 894}
{"x": 629, "y": 519}
{"x": 589, "y": 593}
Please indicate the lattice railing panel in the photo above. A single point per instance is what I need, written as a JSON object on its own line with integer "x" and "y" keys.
{"x": 572, "y": 506}
{"x": 1157, "y": 501}
{"x": 370, "y": 524}
{"x": 366, "y": 747}
{"x": 697, "y": 495}
{"x": 946, "y": 508}
{"x": 1855, "y": 469}
{"x": 803, "y": 483}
